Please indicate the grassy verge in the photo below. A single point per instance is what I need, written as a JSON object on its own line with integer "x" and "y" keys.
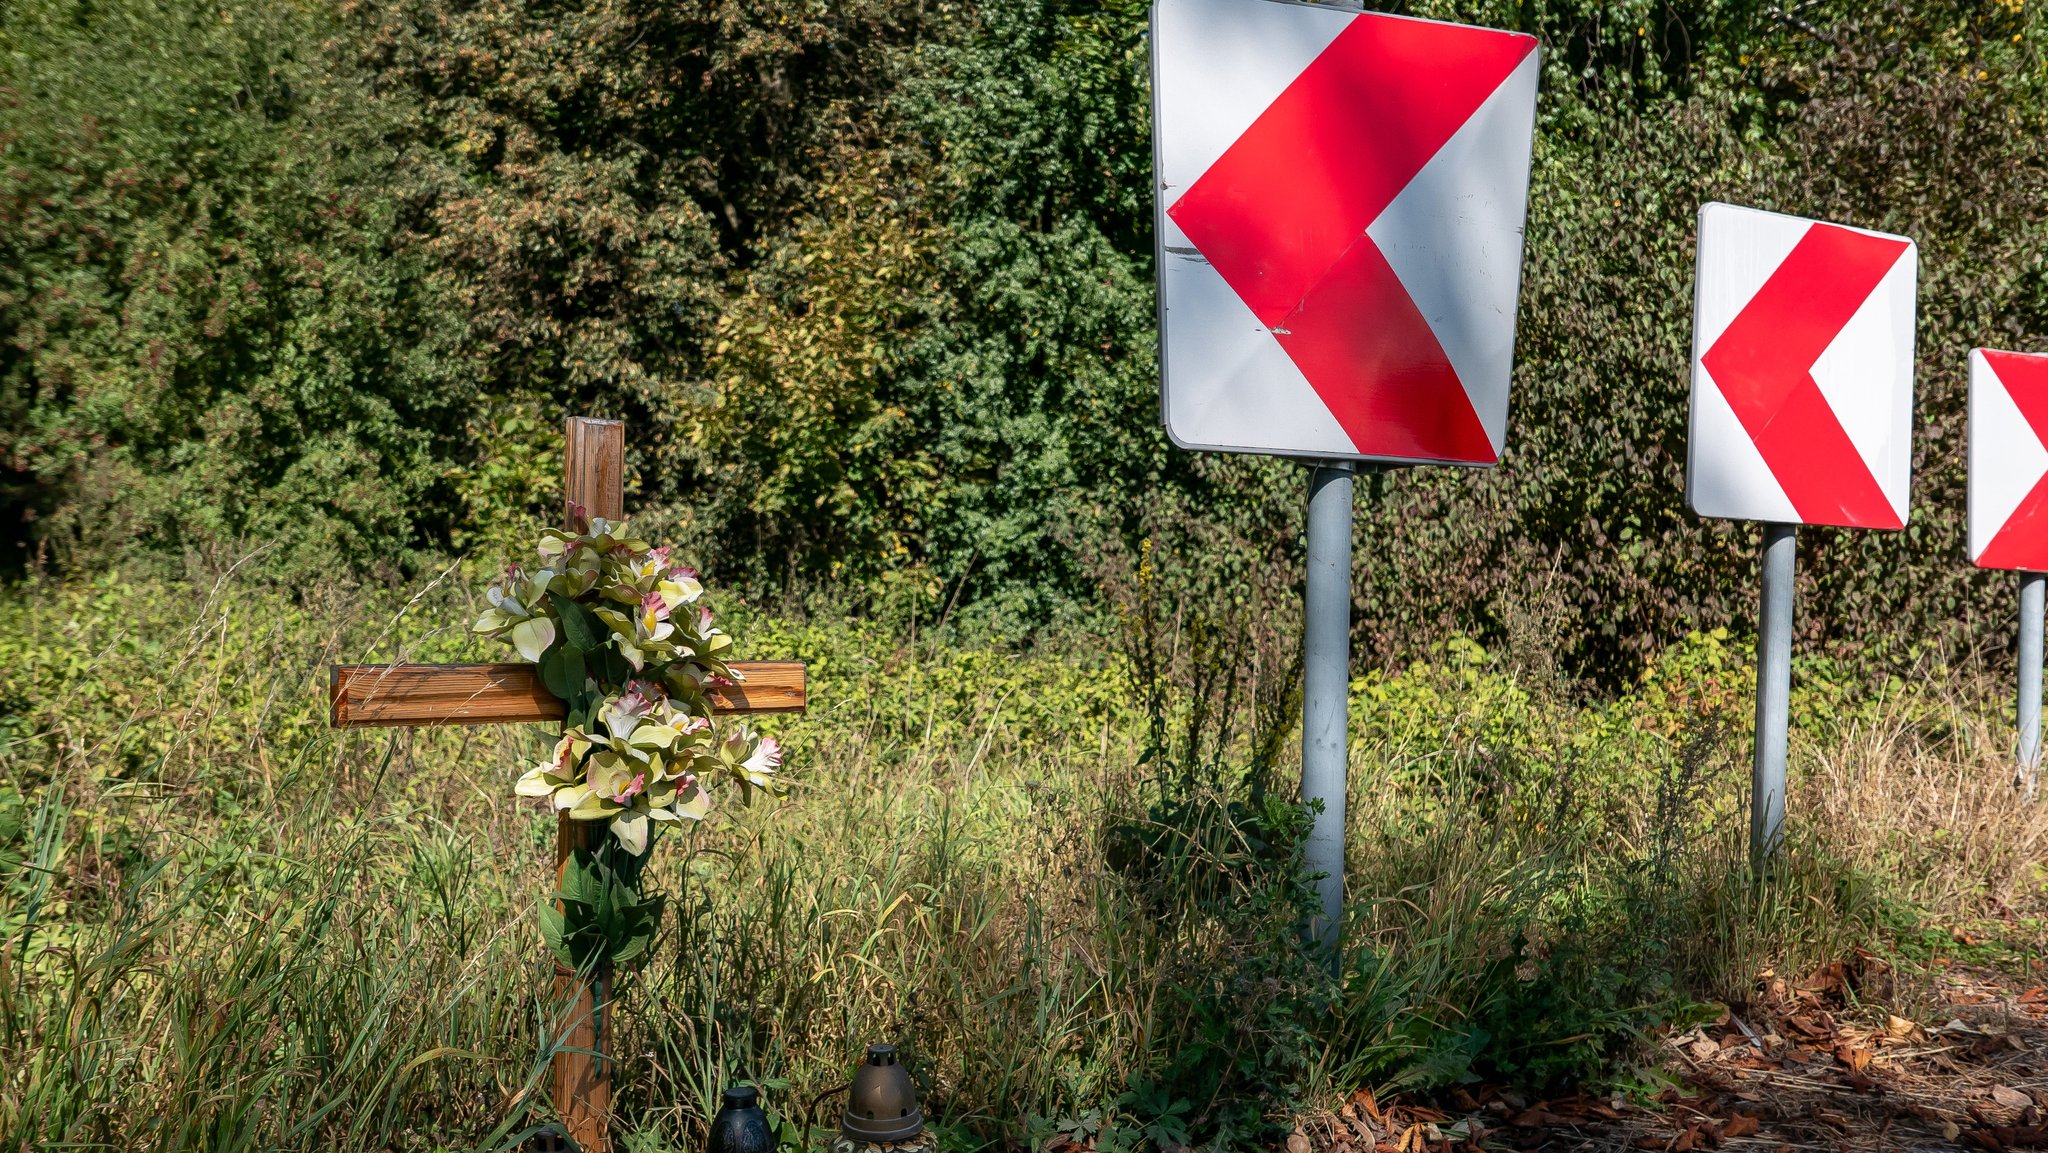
{"x": 223, "y": 926}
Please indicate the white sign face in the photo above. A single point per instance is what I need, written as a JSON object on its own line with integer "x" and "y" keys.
{"x": 2009, "y": 460}
{"x": 1802, "y": 371}
{"x": 1340, "y": 206}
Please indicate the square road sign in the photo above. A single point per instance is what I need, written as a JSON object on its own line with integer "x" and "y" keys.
{"x": 1802, "y": 371}
{"x": 1341, "y": 199}
{"x": 2009, "y": 460}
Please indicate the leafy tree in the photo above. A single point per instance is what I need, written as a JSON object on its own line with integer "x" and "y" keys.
{"x": 209, "y": 341}
{"x": 1909, "y": 119}
{"x": 586, "y": 178}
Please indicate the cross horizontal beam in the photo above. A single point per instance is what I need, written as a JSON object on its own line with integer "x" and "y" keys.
{"x": 388, "y": 696}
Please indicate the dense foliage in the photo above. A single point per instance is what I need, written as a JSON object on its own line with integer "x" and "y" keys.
{"x": 213, "y": 327}
{"x": 872, "y": 282}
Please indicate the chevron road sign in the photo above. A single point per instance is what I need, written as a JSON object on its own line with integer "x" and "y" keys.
{"x": 1802, "y": 372}
{"x": 2009, "y": 510}
{"x": 1341, "y": 198}
{"x": 1802, "y": 413}
{"x": 2009, "y": 460}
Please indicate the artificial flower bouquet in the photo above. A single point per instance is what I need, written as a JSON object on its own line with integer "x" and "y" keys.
{"x": 618, "y": 632}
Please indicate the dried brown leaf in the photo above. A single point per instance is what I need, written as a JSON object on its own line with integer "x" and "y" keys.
{"x": 2009, "y": 1098}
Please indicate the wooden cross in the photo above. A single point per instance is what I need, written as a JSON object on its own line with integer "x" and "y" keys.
{"x": 411, "y": 695}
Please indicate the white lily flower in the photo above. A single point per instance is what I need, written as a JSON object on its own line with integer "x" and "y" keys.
{"x": 694, "y": 804}
{"x": 635, "y": 761}
{"x": 532, "y": 637}
{"x": 759, "y": 769}
{"x": 631, "y": 828}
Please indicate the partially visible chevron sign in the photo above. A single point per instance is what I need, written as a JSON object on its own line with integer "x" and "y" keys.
{"x": 1802, "y": 372}
{"x": 1341, "y": 198}
{"x": 2009, "y": 460}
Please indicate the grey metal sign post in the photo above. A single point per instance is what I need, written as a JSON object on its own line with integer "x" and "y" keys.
{"x": 2033, "y": 586}
{"x": 1326, "y": 687}
{"x": 1773, "y": 693}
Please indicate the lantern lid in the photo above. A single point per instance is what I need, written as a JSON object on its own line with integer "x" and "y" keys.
{"x": 882, "y": 1103}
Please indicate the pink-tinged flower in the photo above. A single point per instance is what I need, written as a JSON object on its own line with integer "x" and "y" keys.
{"x": 624, "y": 714}
{"x": 703, "y": 619}
{"x": 579, "y": 519}
{"x": 720, "y": 681}
{"x": 633, "y": 788}
{"x": 696, "y": 725}
{"x": 687, "y": 782}
{"x": 659, "y": 556}
{"x": 683, "y": 572}
{"x": 514, "y": 575}
{"x": 655, "y": 607}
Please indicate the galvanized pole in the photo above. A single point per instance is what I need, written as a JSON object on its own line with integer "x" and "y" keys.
{"x": 1773, "y": 695}
{"x": 2032, "y": 587}
{"x": 1326, "y": 689}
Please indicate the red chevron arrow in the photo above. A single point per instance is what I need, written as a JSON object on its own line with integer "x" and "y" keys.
{"x": 1763, "y": 363}
{"x": 1282, "y": 216}
{"x": 2022, "y": 541}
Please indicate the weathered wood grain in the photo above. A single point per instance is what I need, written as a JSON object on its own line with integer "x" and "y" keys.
{"x": 594, "y": 467}
{"x": 391, "y": 696}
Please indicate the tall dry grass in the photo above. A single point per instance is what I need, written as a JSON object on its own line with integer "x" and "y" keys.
{"x": 232, "y": 928}
{"x": 1923, "y": 794}
{"x": 223, "y": 926}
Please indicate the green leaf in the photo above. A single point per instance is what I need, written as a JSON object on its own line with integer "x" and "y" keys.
{"x": 581, "y": 628}
{"x": 583, "y": 708}
{"x": 612, "y": 668}
{"x": 561, "y": 670}
{"x": 555, "y": 933}
{"x": 631, "y": 949}
{"x": 580, "y": 883}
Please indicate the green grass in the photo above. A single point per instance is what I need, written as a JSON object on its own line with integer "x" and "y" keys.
{"x": 224, "y": 926}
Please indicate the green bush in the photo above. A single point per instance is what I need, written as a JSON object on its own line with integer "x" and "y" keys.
{"x": 212, "y": 338}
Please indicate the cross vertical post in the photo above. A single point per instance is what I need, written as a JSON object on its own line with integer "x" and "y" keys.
{"x": 580, "y": 1075}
